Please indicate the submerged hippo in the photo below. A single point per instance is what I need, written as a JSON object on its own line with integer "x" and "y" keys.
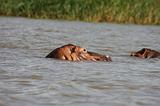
{"x": 146, "y": 53}
{"x": 76, "y": 53}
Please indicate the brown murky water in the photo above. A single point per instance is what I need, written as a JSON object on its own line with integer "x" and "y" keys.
{"x": 29, "y": 79}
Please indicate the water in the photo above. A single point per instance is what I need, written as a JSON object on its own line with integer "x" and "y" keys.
{"x": 29, "y": 79}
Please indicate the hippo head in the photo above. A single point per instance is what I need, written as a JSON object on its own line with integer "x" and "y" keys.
{"x": 76, "y": 53}
{"x": 145, "y": 53}
{"x": 140, "y": 53}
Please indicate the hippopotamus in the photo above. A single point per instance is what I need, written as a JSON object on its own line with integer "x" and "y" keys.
{"x": 146, "y": 53}
{"x": 76, "y": 53}
{"x": 67, "y": 52}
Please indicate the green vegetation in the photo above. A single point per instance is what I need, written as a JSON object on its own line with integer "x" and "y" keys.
{"x": 121, "y": 11}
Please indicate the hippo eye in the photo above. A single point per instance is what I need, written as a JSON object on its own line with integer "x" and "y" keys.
{"x": 84, "y": 50}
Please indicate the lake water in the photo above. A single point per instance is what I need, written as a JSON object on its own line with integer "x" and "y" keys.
{"x": 29, "y": 79}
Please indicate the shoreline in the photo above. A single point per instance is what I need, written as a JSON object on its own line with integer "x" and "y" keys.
{"x": 144, "y": 12}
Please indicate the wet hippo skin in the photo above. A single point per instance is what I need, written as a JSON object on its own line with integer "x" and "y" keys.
{"x": 76, "y": 53}
{"x": 95, "y": 56}
{"x": 146, "y": 53}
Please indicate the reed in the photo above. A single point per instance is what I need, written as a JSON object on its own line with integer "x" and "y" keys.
{"x": 120, "y": 11}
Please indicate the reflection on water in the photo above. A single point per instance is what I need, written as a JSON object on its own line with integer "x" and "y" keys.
{"x": 29, "y": 79}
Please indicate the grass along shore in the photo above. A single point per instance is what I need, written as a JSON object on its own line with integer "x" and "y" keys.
{"x": 119, "y": 11}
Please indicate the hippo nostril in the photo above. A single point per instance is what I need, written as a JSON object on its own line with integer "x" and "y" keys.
{"x": 107, "y": 56}
{"x": 132, "y": 54}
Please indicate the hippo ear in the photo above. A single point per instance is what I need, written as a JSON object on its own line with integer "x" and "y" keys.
{"x": 73, "y": 49}
{"x": 142, "y": 51}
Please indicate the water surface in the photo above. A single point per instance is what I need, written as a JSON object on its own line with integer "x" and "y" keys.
{"x": 29, "y": 79}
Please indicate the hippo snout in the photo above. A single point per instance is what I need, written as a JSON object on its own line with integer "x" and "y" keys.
{"x": 108, "y": 58}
